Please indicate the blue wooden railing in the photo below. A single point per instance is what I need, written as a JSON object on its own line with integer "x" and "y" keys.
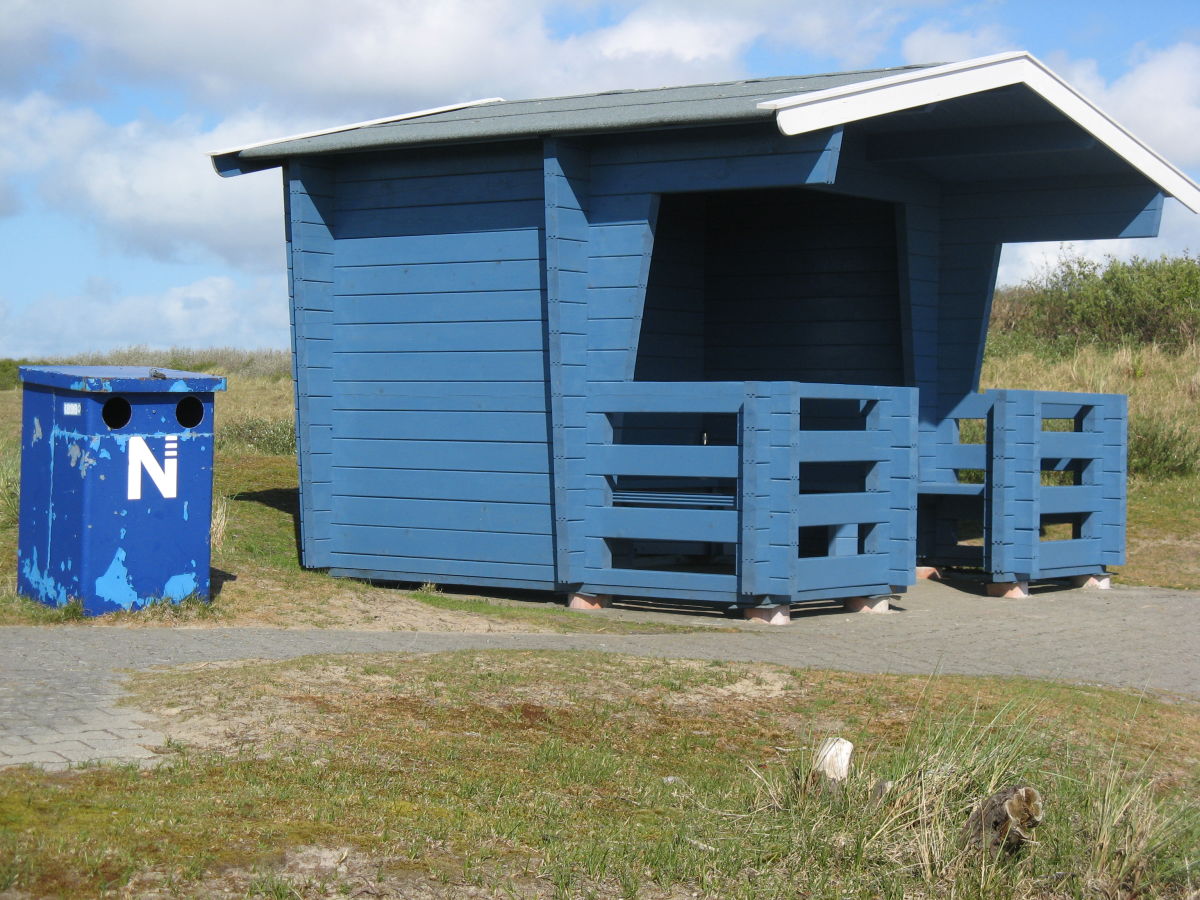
{"x": 1010, "y": 484}
{"x": 792, "y": 491}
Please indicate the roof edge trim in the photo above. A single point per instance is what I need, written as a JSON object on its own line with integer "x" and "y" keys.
{"x": 226, "y": 162}
{"x": 863, "y": 100}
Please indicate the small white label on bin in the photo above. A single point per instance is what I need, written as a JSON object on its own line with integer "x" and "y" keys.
{"x": 72, "y": 408}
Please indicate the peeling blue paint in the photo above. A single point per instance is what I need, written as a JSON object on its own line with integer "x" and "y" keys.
{"x": 114, "y": 585}
{"x": 45, "y": 587}
{"x": 180, "y": 586}
{"x": 180, "y": 387}
{"x": 185, "y": 510}
{"x": 37, "y": 431}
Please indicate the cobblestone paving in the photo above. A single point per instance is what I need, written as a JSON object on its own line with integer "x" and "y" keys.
{"x": 59, "y": 685}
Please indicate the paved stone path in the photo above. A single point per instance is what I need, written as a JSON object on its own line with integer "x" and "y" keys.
{"x": 59, "y": 685}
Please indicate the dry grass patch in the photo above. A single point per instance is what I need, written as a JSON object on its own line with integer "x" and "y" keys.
{"x": 588, "y": 775}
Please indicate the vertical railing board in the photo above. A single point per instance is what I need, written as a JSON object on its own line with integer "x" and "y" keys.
{"x": 1014, "y": 478}
{"x": 899, "y": 418}
{"x": 598, "y": 494}
{"x": 769, "y": 491}
{"x": 566, "y": 173}
{"x": 1113, "y": 421}
{"x": 753, "y": 510}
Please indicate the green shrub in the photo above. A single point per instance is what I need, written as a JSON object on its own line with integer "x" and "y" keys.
{"x": 1161, "y": 449}
{"x": 10, "y": 481}
{"x": 1139, "y": 301}
{"x": 256, "y": 434}
{"x": 9, "y": 378}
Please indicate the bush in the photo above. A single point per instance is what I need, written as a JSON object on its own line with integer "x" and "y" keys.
{"x": 9, "y": 377}
{"x": 1141, "y": 301}
{"x": 1161, "y": 449}
{"x": 10, "y": 481}
{"x": 230, "y": 361}
{"x": 255, "y": 434}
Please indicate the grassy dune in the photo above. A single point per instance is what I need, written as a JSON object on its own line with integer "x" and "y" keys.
{"x": 574, "y": 775}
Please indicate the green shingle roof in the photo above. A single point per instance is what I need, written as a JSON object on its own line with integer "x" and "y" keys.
{"x": 629, "y": 110}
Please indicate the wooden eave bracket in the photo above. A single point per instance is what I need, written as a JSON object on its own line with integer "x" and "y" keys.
{"x": 852, "y": 102}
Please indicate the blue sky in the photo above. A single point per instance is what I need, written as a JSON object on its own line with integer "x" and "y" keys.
{"x": 116, "y": 231}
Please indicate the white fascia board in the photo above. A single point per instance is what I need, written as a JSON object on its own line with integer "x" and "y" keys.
{"x": 384, "y": 121}
{"x": 864, "y": 100}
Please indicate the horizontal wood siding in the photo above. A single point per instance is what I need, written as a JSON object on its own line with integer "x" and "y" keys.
{"x": 308, "y": 198}
{"x": 441, "y": 439}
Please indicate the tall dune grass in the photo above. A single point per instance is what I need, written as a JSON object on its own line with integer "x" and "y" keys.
{"x": 1163, "y": 388}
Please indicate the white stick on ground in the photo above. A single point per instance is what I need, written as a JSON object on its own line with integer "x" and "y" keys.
{"x": 832, "y": 762}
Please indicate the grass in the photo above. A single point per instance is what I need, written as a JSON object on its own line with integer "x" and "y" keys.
{"x": 593, "y": 775}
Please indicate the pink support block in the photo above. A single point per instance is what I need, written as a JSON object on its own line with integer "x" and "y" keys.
{"x": 867, "y": 604}
{"x": 589, "y": 602}
{"x": 1010, "y": 590}
{"x": 928, "y": 573}
{"x": 1101, "y": 582}
{"x": 769, "y": 615}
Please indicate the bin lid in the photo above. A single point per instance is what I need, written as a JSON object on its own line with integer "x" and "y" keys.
{"x": 123, "y": 379}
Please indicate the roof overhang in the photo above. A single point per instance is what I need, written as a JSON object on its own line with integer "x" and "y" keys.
{"x": 912, "y": 89}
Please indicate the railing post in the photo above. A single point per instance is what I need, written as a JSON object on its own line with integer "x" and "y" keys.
{"x": 769, "y": 491}
{"x": 1112, "y": 420}
{"x": 598, "y": 491}
{"x": 1013, "y": 480}
{"x": 897, "y": 417}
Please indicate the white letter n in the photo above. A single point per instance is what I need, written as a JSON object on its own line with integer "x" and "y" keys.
{"x": 165, "y": 477}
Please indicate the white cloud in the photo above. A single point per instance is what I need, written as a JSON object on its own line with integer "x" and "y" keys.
{"x": 212, "y": 312}
{"x": 365, "y": 58}
{"x": 146, "y": 186}
{"x": 1158, "y": 99}
{"x": 937, "y": 42}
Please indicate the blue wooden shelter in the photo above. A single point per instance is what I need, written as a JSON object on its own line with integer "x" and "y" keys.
{"x": 713, "y": 342}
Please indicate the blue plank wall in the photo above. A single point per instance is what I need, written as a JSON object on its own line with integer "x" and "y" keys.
{"x": 441, "y": 436}
{"x": 308, "y": 201}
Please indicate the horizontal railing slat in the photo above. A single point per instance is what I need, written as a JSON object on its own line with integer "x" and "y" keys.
{"x": 663, "y": 460}
{"x": 664, "y": 524}
{"x": 843, "y": 509}
{"x": 1071, "y": 499}
{"x": 834, "y": 571}
{"x": 1063, "y": 410}
{"x": 844, "y": 446}
{"x": 963, "y": 456}
{"x": 1062, "y": 554}
{"x": 652, "y": 578}
{"x": 1070, "y": 445}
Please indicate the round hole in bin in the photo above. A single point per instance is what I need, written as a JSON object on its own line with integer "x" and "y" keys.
{"x": 189, "y": 412}
{"x": 116, "y": 412}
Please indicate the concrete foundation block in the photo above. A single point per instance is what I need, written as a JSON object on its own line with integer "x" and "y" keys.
{"x": 1101, "y": 582}
{"x": 867, "y": 604}
{"x": 926, "y": 573}
{"x": 589, "y": 602}
{"x": 769, "y": 615}
{"x": 1009, "y": 590}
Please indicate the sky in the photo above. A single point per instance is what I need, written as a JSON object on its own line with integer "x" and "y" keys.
{"x": 114, "y": 229}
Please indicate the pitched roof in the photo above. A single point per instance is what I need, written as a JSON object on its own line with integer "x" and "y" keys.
{"x": 631, "y": 110}
{"x": 798, "y": 104}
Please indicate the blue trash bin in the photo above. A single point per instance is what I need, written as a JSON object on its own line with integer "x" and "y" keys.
{"x": 116, "y": 485}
